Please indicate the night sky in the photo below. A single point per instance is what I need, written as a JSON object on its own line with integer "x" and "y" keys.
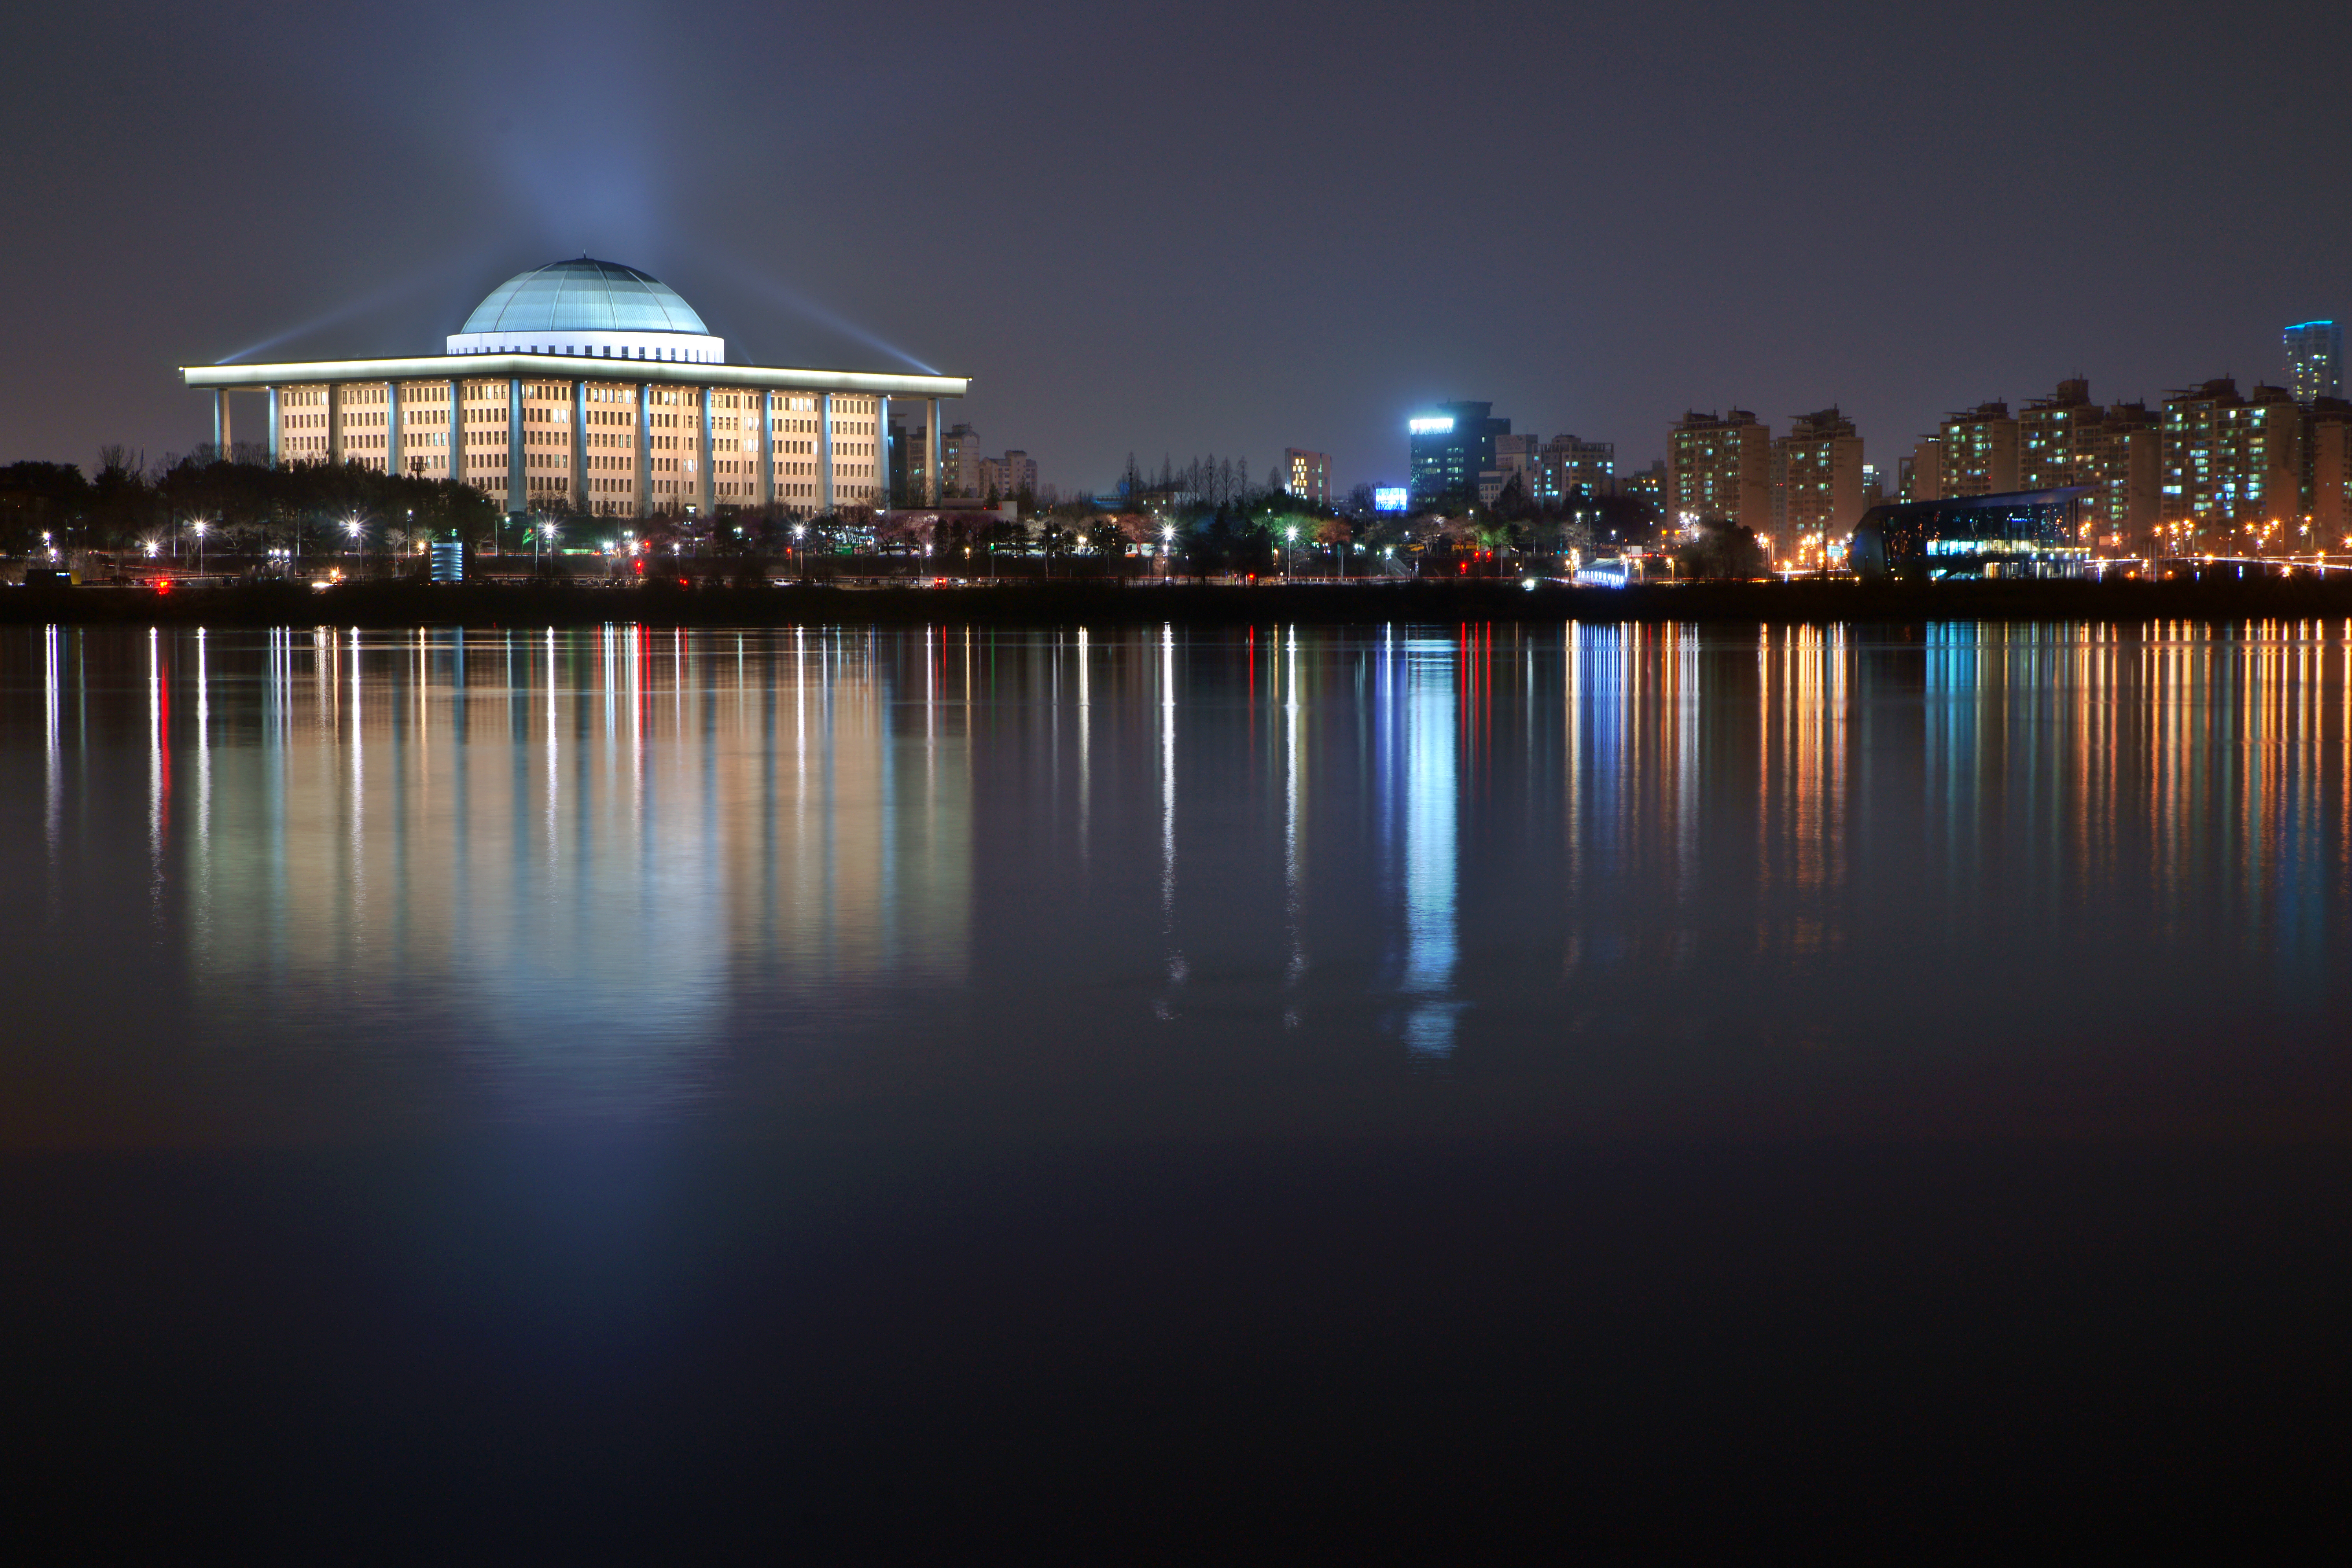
{"x": 1184, "y": 229}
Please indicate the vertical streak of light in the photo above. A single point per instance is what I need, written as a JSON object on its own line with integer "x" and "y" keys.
{"x": 1687, "y": 783}
{"x": 1168, "y": 778}
{"x": 1086, "y": 775}
{"x": 359, "y": 796}
{"x": 554, "y": 775}
{"x": 1430, "y": 826}
{"x": 155, "y": 765}
{"x": 636, "y": 661}
{"x": 203, "y": 753}
{"x": 53, "y": 736}
{"x": 1293, "y": 761}
{"x": 1571, "y": 703}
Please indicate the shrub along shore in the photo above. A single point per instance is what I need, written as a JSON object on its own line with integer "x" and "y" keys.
{"x": 715, "y": 604}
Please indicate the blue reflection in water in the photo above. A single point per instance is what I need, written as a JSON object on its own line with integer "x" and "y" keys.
{"x": 1416, "y": 719}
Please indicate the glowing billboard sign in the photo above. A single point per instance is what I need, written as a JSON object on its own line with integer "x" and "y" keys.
{"x": 1435, "y": 425}
{"x": 1392, "y": 498}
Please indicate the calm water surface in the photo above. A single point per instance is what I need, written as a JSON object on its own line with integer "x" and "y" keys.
{"x": 867, "y": 1052}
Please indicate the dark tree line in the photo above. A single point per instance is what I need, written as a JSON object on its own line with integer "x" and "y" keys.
{"x": 129, "y": 508}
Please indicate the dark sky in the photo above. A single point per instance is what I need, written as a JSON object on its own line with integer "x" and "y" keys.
{"x": 1199, "y": 227}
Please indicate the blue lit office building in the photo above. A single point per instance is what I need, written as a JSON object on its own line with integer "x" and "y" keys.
{"x": 1453, "y": 443}
{"x": 2026, "y": 534}
{"x": 2315, "y": 360}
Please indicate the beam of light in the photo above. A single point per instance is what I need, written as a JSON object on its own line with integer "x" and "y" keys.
{"x": 415, "y": 283}
{"x": 776, "y": 291}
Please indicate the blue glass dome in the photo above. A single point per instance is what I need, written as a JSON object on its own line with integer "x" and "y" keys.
{"x": 583, "y": 296}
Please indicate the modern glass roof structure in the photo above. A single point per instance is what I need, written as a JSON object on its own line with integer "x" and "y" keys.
{"x": 2021, "y": 533}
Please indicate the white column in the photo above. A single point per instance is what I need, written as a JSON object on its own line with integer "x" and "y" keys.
{"x": 702, "y": 489}
{"x": 518, "y": 486}
{"x": 824, "y": 451}
{"x": 768, "y": 449}
{"x": 931, "y": 450}
{"x": 457, "y": 458}
{"x": 579, "y": 466}
{"x": 644, "y": 449}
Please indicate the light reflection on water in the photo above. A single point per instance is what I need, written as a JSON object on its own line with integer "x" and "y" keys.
{"x": 1657, "y": 873}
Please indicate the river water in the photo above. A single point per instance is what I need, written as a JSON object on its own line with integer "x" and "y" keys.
{"x": 1165, "y": 1088}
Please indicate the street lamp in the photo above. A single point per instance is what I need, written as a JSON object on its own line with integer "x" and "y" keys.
{"x": 800, "y": 561}
{"x": 1168, "y": 550}
{"x": 1289, "y": 539}
{"x": 200, "y": 525}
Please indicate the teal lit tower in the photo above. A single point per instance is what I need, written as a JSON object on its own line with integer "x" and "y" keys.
{"x": 2315, "y": 360}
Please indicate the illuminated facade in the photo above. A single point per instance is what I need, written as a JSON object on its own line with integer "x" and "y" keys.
{"x": 1820, "y": 461}
{"x": 586, "y": 386}
{"x": 1451, "y": 445}
{"x": 1721, "y": 466}
{"x": 1569, "y": 470}
{"x": 2315, "y": 360}
{"x": 1977, "y": 453}
{"x": 1307, "y": 474}
{"x": 2232, "y": 467}
{"x": 2067, "y": 439}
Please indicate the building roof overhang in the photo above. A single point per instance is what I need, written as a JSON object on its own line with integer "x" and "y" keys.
{"x": 574, "y": 367}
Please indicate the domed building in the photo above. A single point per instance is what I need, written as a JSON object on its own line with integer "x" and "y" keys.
{"x": 589, "y": 386}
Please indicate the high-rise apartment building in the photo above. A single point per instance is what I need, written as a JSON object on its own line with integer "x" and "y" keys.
{"x": 2315, "y": 360}
{"x": 1451, "y": 445}
{"x": 1646, "y": 484}
{"x": 1920, "y": 476}
{"x": 2053, "y": 435}
{"x": 2327, "y": 473}
{"x": 2124, "y": 460}
{"x": 1515, "y": 459}
{"x": 2232, "y": 465}
{"x": 1006, "y": 478}
{"x": 960, "y": 461}
{"x": 1568, "y": 470}
{"x": 1819, "y": 470}
{"x": 2067, "y": 439}
{"x": 1979, "y": 452}
{"x": 1719, "y": 466}
{"x": 1307, "y": 474}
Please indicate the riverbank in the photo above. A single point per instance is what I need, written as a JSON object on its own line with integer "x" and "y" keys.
{"x": 1110, "y": 604}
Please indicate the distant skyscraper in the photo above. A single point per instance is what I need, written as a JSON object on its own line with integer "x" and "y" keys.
{"x": 1451, "y": 445}
{"x": 2315, "y": 360}
{"x": 1307, "y": 474}
{"x": 1721, "y": 466}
